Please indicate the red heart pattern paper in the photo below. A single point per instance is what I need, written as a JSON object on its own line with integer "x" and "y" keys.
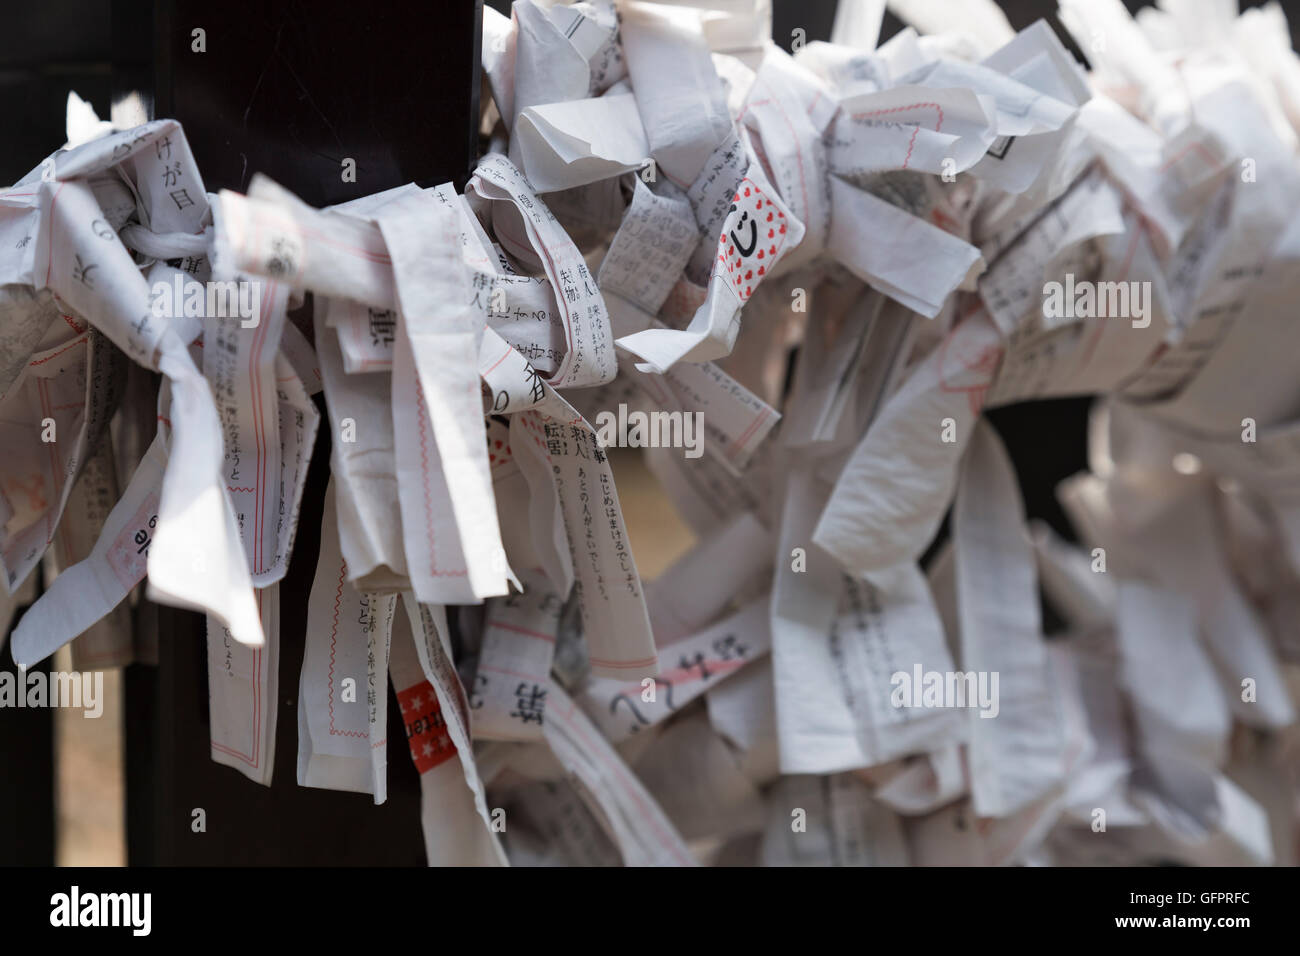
{"x": 753, "y": 239}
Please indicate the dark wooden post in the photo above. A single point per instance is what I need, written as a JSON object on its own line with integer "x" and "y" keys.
{"x": 27, "y": 807}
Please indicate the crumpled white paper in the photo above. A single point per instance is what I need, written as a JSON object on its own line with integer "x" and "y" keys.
{"x": 834, "y": 261}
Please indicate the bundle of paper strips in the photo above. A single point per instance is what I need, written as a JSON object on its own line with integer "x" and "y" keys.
{"x": 672, "y": 212}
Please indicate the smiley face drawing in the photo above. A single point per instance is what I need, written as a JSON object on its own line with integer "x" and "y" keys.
{"x": 753, "y": 233}
{"x": 752, "y": 240}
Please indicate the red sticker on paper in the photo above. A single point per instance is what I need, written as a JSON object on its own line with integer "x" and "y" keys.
{"x": 426, "y": 731}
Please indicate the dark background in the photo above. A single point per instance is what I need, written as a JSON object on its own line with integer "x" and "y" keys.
{"x": 290, "y": 88}
{"x": 51, "y": 47}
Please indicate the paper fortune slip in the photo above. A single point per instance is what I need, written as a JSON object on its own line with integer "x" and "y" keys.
{"x": 797, "y": 282}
